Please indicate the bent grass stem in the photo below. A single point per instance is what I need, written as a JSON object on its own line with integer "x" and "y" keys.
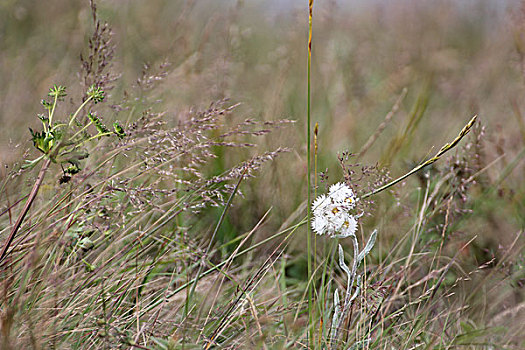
{"x": 443, "y": 150}
{"x": 27, "y": 206}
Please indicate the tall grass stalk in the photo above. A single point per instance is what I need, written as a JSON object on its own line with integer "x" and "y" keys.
{"x": 210, "y": 243}
{"x": 311, "y": 329}
{"x": 30, "y": 199}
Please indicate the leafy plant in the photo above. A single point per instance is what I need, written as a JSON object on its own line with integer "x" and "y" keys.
{"x": 62, "y": 142}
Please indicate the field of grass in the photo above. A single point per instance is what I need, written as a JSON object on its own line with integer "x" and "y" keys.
{"x": 160, "y": 200}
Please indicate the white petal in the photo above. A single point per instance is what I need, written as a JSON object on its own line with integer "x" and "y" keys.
{"x": 319, "y": 204}
{"x": 319, "y": 225}
{"x": 349, "y": 228}
{"x": 341, "y": 193}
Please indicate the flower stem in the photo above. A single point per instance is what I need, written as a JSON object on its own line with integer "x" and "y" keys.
{"x": 311, "y": 329}
{"x": 79, "y": 109}
{"x": 52, "y": 112}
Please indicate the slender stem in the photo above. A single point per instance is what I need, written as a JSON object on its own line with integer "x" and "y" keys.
{"x": 44, "y": 125}
{"x": 79, "y": 109}
{"x": 212, "y": 240}
{"x": 383, "y": 125}
{"x": 349, "y": 296}
{"x": 350, "y": 281}
{"x": 442, "y": 150}
{"x": 98, "y": 135}
{"x": 316, "y": 130}
{"x": 80, "y": 144}
{"x": 84, "y": 128}
{"x": 22, "y": 215}
{"x": 309, "y": 211}
{"x": 52, "y": 112}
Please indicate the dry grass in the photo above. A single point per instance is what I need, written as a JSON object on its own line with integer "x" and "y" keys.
{"x": 190, "y": 232}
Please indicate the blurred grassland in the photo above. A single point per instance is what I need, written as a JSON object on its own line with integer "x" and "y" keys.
{"x": 455, "y": 59}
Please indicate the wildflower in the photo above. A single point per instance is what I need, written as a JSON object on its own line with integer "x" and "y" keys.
{"x": 332, "y": 212}
{"x": 341, "y": 193}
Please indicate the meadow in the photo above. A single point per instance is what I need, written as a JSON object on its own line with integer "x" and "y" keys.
{"x": 161, "y": 160}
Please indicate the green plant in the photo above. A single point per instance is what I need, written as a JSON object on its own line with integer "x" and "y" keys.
{"x": 64, "y": 143}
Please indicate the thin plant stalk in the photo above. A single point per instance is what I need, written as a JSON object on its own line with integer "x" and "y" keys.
{"x": 34, "y": 190}
{"x": 383, "y": 125}
{"x": 29, "y": 202}
{"x": 308, "y": 151}
{"x": 289, "y": 231}
{"x": 447, "y": 147}
{"x": 349, "y": 296}
{"x": 78, "y": 110}
{"x": 212, "y": 239}
{"x": 316, "y": 130}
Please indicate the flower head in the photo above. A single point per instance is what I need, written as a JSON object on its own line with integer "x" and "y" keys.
{"x": 341, "y": 193}
{"x": 331, "y": 214}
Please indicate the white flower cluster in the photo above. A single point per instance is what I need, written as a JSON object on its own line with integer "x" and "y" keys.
{"x": 331, "y": 213}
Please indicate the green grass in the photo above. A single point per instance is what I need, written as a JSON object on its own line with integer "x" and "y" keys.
{"x": 190, "y": 231}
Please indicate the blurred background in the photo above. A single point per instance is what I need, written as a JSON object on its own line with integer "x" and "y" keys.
{"x": 455, "y": 58}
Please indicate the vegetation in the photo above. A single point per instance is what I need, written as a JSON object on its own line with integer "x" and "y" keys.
{"x": 164, "y": 194}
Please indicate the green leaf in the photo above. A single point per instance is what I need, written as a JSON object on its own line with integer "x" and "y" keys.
{"x": 368, "y": 247}
{"x": 47, "y": 105}
{"x": 72, "y": 169}
{"x": 96, "y": 94}
{"x": 86, "y": 243}
{"x": 89, "y": 267}
{"x": 43, "y": 141}
{"x": 101, "y": 128}
{"x": 43, "y": 118}
{"x": 342, "y": 262}
{"x": 162, "y": 344}
{"x": 72, "y": 158}
{"x": 32, "y": 163}
{"x": 118, "y": 130}
{"x": 57, "y": 91}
